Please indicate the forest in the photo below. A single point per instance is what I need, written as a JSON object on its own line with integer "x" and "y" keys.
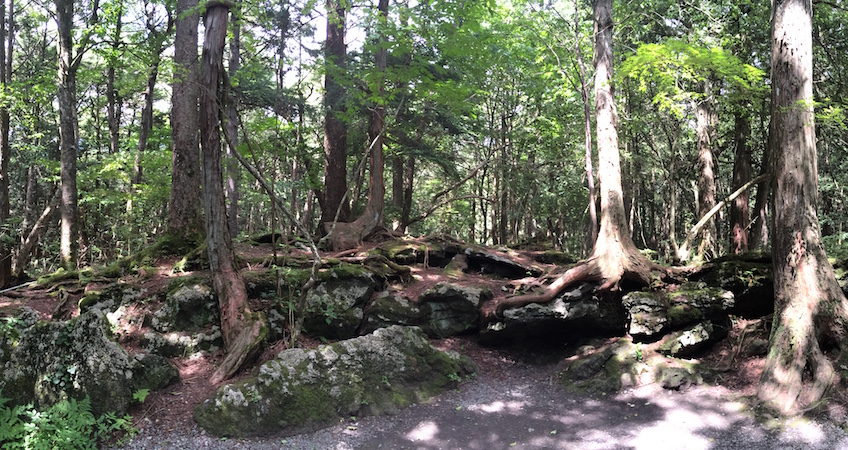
{"x": 644, "y": 139}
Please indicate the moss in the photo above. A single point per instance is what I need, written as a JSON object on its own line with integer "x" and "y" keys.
{"x": 683, "y": 314}
{"x": 57, "y": 276}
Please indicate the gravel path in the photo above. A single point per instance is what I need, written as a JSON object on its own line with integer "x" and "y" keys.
{"x": 525, "y": 410}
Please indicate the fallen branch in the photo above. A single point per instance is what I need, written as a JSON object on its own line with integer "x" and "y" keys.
{"x": 683, "y": 251}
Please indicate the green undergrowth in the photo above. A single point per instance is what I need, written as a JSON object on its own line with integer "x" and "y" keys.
{"x": 69, "y": 424}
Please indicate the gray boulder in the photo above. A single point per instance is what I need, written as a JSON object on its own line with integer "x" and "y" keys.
{"x": 454, "y": 309}
{"x": 46, "y": 362}
{"x": 334, "y": 307}
{"x": 692, "y": 340}
{"x": 182, "y": 344}
{"x": 392, "y": 308}
{"x": 652, "y": 313}
{"x": 186, "y": 308}
{"x": 575, "y": 312}
{"x": 303, "y": 390}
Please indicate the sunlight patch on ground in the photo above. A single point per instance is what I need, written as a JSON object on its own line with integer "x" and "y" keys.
{"x": 424, "y": 431}
{"x": 498, "y": 406}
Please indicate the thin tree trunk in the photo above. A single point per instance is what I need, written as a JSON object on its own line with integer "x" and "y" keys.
{"x": 408, "y": 178}
{"x": 5, "y": 148}
{"x": 185, "y": 213}
{"x": 113, "y": 100}
{"x": 242, "y": 329}
{"x": 760, "y": 226}
{"x": 810, "y": 309}
{"x": 587, "y": 132}
{"x": 741, "y": 174}
{"x": 233, "y": 169}
{"x": 34, "y": 235}
{"x": 146, "y": 120}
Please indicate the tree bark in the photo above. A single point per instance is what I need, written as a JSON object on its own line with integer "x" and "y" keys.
{"x": 233, "y": 170}
{"x": 810, "y": 309}
{"x": 113, "y": 100}
{"x": 68, "y": 126}
{"x": 335, "y": 130}
{"x": 34, "y": 235}
{"x": 759, "y": 227}
{"x": 185, "y": 212}
{"x": 706, "y": 178}
{"x": 242, "y": 329}
{"x": 739, "y": 216}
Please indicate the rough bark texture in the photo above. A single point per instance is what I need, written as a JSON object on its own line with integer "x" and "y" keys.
{"x": 706, "y": 179}
{"x": 68, "y": 124}
{"x": 335, "y": 130}
{"x": 242, "y": 329}
{"x": 614, "y": 257}
{"x": 810, "y": 309}
{"x": 739, "y": 216}
{"x": 185, "y": 214}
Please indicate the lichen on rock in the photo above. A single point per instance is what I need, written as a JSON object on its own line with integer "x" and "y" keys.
{"x": 304, "y": 390}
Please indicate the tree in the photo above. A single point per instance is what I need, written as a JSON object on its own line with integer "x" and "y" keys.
{"x": 352, "y": 234}
{"x": 614, "y": 257}
{"x": 242, "y": 329}
{"x": 335, "y": 129}
{"x": 69, "y": 63}
{"x": 810, "y": 309}
{"x": 233, "y": 169}
{"x": 185, "y": 213}
{"x": 6, "y": 48}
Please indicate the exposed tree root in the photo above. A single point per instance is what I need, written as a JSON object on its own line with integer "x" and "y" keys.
{"x": 608, "y": 273}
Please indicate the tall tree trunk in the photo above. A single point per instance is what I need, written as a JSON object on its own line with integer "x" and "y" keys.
{"x": 185, "y": 213}
{"x": 113, "y": 100}
{"x": 706, "y": 178}
{"x": 233, "y": 169}
{"x": 810, "y": 309}
{"x": 5, "y": 148}
{"x": 68, "y": 125}
{"x": 760, "y": 226}
{"x": 408, "y": 178}
{"x": 741, "y": 174}
{"x": 335, "y": 130}
{"x": 587, "y": 132}
{"x": 242, "y": 329}
{"x": 146, "y": 119}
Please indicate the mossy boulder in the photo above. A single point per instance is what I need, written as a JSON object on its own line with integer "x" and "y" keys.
{"x": 454, "y": 309}
{"x": 303, "y": 390}
{"x": 491, "y": 263}
{"x": 652, "y": 314}
{"x": 182, "y": 344}
{"x": 694, "y": 339}
{"x": 393, "y": 308}
{"x": 334, "y": 307}
{"x": 153, "y": 372}
{"x": 188, "y": 307}
{"x": 51, "y": 361}
{"x": 574, "y": 313}
{"x": 110, "y": 297}
{"x": 748, "y": 276}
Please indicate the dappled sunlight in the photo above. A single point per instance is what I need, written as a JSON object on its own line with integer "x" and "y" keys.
{"x": 424, "y": 431}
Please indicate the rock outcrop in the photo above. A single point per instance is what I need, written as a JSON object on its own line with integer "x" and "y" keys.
{"x": 304, "y": 390}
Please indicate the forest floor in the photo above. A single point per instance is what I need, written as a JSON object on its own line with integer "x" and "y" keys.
{"x": 514, "y": 402}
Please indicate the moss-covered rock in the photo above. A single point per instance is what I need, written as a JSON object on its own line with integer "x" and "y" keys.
{"x": 153, "y": 372}
{"x": 392, "y": 308}
{"x": 181, "y": 344}
{"x": 56, "y": 360}
{"x": 189, "y": 307}
{"x": 304, "y": 390}
{"x": 653, "y": 313}
{"x": 454, "y": 309}
{"x": 694, "y": 339}
{"x": 577, "y": 312}
{"x": 748, "y": 276}
{"x": 334, "y": 307}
